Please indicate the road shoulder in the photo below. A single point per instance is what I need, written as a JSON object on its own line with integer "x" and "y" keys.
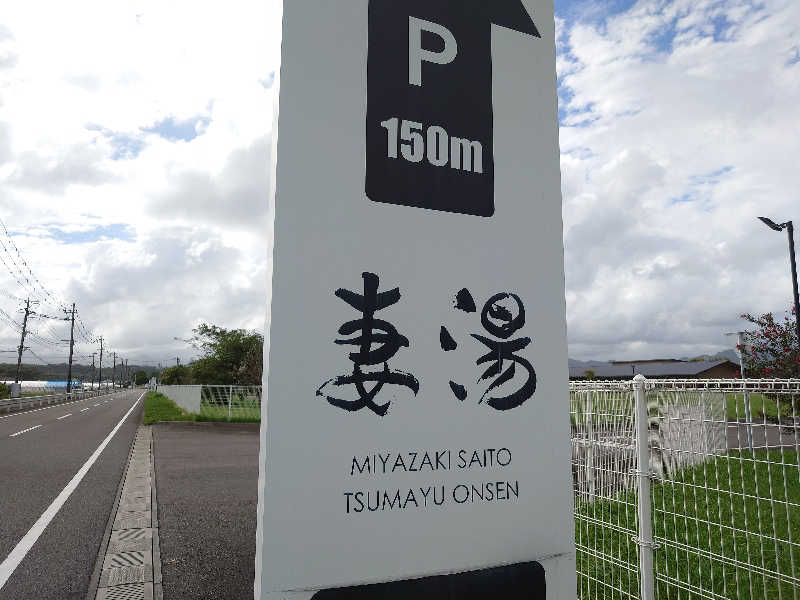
{"x": 129, "y": 565}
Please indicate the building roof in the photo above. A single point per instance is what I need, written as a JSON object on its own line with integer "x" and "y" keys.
{"x": 648, "y": 369}
{"x": 648, "y": 360}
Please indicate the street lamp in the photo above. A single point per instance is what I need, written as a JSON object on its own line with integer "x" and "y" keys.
{"x": 790, "y": 230}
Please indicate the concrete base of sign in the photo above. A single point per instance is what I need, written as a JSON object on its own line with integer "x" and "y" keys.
{"x": 552, "y": 578}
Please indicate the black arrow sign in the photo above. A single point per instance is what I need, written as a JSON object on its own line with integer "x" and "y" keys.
{"x": 429, "y": 101}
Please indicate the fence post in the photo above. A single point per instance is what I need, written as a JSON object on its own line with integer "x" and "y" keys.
{"x": 230, "y": 398}
{"x": 747, "y": 414}
{"x": 590, "y": 482}
{"x": 645, "y": 539}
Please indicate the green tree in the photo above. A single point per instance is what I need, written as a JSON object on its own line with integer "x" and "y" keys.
{"x": 5, "y": 391}
{"x": 177, "y": 375}
{"x": 230, "y": 356}
{"x": 772, "y": 350}
{"x": 140, "y": 378}
{"x": 588, "y": 374}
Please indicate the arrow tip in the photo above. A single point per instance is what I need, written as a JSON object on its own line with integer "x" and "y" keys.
{"x": 512, "y": 14}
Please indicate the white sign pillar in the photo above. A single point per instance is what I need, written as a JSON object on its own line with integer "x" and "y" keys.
{"x": 415, "y": 414}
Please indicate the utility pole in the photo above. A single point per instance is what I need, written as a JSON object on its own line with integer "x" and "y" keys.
{"x": 114, "y": 372}
{"x": 100, "y": 378}
{"x": 71, "y": 345}
{"x": 22, "y": 339}
{"x": 127, "y": 374}
{"x": 93, "y": 371}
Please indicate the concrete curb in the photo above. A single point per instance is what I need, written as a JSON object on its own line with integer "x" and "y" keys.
{"x": 101, "y": 552}
{"x": 158, "y": 590}
{"x": 224, "y": 424}
{"x": 131, "y": 565}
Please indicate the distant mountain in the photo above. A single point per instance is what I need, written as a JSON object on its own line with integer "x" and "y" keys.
{"x": 727, "y": 355}
{"x": 58, "y": 372}
{"x": 586, "y": 363}
{"x": 724, "y": 355}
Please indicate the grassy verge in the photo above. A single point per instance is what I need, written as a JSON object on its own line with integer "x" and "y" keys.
{"x": 157, "y": 407}
{"x": 757, "y": 403}
{"x": 220, "y": 413}
{"x": 742, "y": 509}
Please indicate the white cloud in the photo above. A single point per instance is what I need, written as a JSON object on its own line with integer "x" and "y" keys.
{"x": 79, "y": 88}
{"x": 669, "y": 152}
{"x": 680, "y": 127}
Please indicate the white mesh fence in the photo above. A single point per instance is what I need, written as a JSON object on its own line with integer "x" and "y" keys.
{"x": 724, "y": 491}
{"x": 230, "y": 402}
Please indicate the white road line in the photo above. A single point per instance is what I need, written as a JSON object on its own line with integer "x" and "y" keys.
{"x": 84, "y": 409}
{"x": 25, "y": 431}
{"x": 64, "y": 416}
{"x": 17, "y": 555}
{"x": 98, "y": 404}
{"x": 57, "y": 405}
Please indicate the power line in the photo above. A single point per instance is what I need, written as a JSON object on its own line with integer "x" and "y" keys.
{"x": 39, "y": 358}
{"x": 10, "y": 296}
{"x": 10, "y": 321}
{"x": 22, "y": 285}
{"x": 84, "y": 331}
{"x": 45, "y": 341}
{"x": 35, "y": 289}
{"x": 22, "y": 259}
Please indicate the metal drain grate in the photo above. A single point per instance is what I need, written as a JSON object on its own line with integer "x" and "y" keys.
{"x": 127, "y": 559}
{"x": 122, "y": 575}
{"x": 140, "y": 506}
{"x": 135, "y": 591}
{"x": 133, "y": 534}
{"x": 132, "y": 514}
{"x": 130, "y": 546}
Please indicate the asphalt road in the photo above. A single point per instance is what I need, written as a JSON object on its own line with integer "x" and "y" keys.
{"x": 766, "y": 436}
{"x": 207, "y": 489}
{"x": 40, "y": 453}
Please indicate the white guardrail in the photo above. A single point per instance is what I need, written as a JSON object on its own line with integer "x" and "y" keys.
{"x": 23, "y": 403}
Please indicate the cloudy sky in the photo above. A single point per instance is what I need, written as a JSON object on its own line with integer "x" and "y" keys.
{"x": 135, "y": 137}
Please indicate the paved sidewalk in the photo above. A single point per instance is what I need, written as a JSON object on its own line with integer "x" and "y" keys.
{"x": 131, "y": 567}
{"x": 207, "y": 483}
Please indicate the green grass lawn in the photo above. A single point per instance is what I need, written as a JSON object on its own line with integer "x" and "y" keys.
{"x": 220, "y": 413}
{"x": 757, "y": 403}
{"x": 735, "y": 510}
{"x": 157, "y": 407}
{"x": 617, "y": 408}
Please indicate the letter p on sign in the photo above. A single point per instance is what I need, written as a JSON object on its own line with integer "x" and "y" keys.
{"x": 417, "y": 54}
